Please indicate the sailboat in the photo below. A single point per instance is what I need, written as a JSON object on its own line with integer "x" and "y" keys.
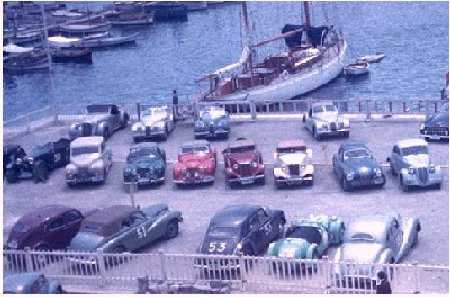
{"x": 314, "y": 56}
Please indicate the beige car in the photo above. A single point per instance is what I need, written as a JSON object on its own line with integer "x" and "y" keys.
{"x": 293, "y": 164}
{"x": 90, "y": 161}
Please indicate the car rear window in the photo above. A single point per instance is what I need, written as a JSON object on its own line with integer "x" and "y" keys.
{"x": 357, "y": 153}
{"x": 195, "y": 150}
{"x": 84, "y": 150}
{"x": 224, "y": 232}
{"x": 291, "y": 150}
{"x": 415, "y": 150}
{"x": 310, "y": 234}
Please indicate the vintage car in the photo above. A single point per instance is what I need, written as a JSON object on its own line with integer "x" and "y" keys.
{"x": 44, "y": 159}
{"x": 293, "y": 164}
{"x": 374, "y": 239}
{"x": 355, "y": 166}
{"x": 100, "y": 120}
{"x": 242, "y": 229}
{"x": 243, "y": 163}
{"x": 212, "y": 122}
{"x": 30, "y": 283}
{"x": 323, "y": 119}
{"x": 309, "y": 238}
{"x": 45, "y": 228}
{"x": 435, "y": 126}
{"x": 146, "y": 165}
{"x": 122, "y": 228}
{"x": 154, "y": 122}
{"x": 410, "y": 160}
{"x": 90, "y": 161}
{"x": 196, "y": 163}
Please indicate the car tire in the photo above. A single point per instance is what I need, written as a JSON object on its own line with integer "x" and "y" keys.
{"x": 262, "y": 180}
{"x": 427, "y": 139}
{"x": 40, "y": 172}
{"x": 278, "y": 186}
{"x": 345, "y": 186}
{"x": 171, "y": 229}
{"x": 11, "y": 179}
{"x": 437, "y": 186}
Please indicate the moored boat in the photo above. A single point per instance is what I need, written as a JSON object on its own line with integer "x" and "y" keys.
{"x": 372, "y": 58}
{"x": 84, "y": 28}
{"x": 71, "y": 55}
{"x": 130, "y": 19}
{"x": 356, "y": 69}
{"x": 108, "y": 41}
{"x": 25, "y": 64}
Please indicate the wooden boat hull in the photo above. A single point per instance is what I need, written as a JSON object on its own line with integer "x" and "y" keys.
{"x": 72, "y": 56}
{"x": 81, "y": 29}
{"x": 22, "y": 69}
{"x": 371, "y": 59}
{"x": 108, "y": 41}
{"x": 143, "y": 22}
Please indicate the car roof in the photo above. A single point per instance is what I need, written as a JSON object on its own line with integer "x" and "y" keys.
{"x": 108, "y": 219}
{"x": 291, "y": 143}
{"x": 195, "y": 143}
{"x": 42, "y": 214}
{"x": 240, "y": 142}
{"x": 375, "y": 224}
{"x": 411, "y": 142}
{"x": 83, "y": 141}
{"x": 234, "y": 215}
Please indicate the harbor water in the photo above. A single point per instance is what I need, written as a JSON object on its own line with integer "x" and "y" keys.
{"x": 167, "y": 56}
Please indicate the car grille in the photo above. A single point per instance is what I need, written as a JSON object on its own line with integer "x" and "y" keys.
{"x": 245, "y": 169}
{"x": 333, "y": 126}
{"x": 422, "y": 174}
{"x": 440, "y": 131}
{"x": 365, "y": 177}
{"x": 294, "y": 169}
{"x": 143, "y": 171}
{"x": 83, "y": 171}
{"x": 191, "y": 172}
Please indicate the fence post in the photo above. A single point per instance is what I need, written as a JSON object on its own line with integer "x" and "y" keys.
{"x": 252, "y": 109}
{"x": 359, "y": 106}
{"x": 368, "y": 114}
{"x": 416, "y": 278}
{"x": 143, "y": 284}
{"x": 243, "y": 269}
{"x": 138, "y": 107}
{"x": 28, "y": 260}
{"x": 390, "y": 106}
{"x": 101, "y": 266}
{"x": 162, "y": 259}
{"x": 404, "y": 106}
{"x": 435, "y": 107}
{"x": 328, "y": 277}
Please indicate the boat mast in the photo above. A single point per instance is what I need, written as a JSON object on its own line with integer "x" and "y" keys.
{"x": 247, "y": 42}
{"x": 307, "y": 14}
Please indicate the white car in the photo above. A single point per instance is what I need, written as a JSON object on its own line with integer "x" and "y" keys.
{"x": 323, "y": 119}
{"x": 90, "y": 161}
{"x": 293, "y": 164}
{"x": 155, "y": 121}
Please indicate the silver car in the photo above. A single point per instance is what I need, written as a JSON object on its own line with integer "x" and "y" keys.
{"x": 410, "y": 160}
{"x": 323, "y": 119}
{"x": 100, "y": 120}
{"x": 155, "y": 121}
{"x": 374, "y": 240}
{"x": 90, "y": 161}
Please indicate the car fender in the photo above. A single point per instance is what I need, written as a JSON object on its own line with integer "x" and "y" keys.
{"x": 385, "y": 256}
{"x": 411, "y": 227}
{"x": 54, "y": 287}
{"x": 310, "y": 251}
{"x": 102, "y": 126}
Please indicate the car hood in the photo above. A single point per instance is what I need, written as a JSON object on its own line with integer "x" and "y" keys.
{"x": 228, "y": 244}
{"x": 95, "y": 118}
{"x": 84, "y": 160}
{"x": 357, "y": 164}
{"x": 151, "y": 120}
{"x": 437, "y": 120}
{"x": 146, "y": 163}
{"x": 292, "y": 159}
{"x": 328, "y": 116}
{"x": 290, "y": 247}
{"x": 421, "y": 160}
{"x": 243, "y": 158}
{"x": 85, "y": 241}
{"x": 359, "y": 252}
{"x": 194, "y": 161}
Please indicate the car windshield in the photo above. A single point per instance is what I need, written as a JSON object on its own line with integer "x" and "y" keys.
{"x": 224, "y": 232}
{"x": 357, "y": 153}
{"x": 441, "y": 117}
{"x": 324, "y": 108}
{"x": 291, "y": 150}
{"x": 195, "y": 150}
{"x": 153, "y": 112}
{"x": 142, "y": 152}
{"x": 310, "y": 234}
{"x": 360, "y": 237}
{"x": 415, "y": 150}
{"x": 98, "y": 108}
{"x": 207, "y": 115}
{"x": 242, "y": 149}
{"x": 76, "y": 151}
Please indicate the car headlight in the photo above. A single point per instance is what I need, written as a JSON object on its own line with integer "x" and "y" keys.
{"x": 199, "y": 124}
{"x": 350, "y": 176}
{"x": 411, "y": 170}
{"x": 29, "y": 160}
{"x": 254, "y": 164}
{"x": 324, "y": 125}
{"x": 71, "y": 169}
{"x": 97, "y": 164}
{"x": 378, "y": 172}
{"x": 235, "y": 166}
{"x": 130, "y": 170}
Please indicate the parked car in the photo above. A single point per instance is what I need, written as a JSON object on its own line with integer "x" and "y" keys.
{"x": 30, "y": 283}
{"x": 10, "y": 153}
{"x": 309, "y": 238}
{"x": 435, "y": 126}
{"x": 44, "y": 159}
{"x": 196, "y": 163}
{"x": 146, "y": 165}
{"x": 122, "y": 228}
{"x": 45, "y": 228}
{"x": 410, "y": 160}
{"x": 212, "y": 122}
{"x": 293, "y": 164}
{"x": 90, "y": 161}
{"x": 355, "y": 166}
{"x": 242, "y": 229}
{"x": 243, "y": 163}
{"x": 377, "y": 239}
{"x": 100, "y": 120}
{"x": 155, "y": 121}
{"x": 323, "y": 119}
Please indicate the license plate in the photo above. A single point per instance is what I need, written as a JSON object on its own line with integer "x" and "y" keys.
{"x": 246, "y": 181}
{"x": 144, "y": 180}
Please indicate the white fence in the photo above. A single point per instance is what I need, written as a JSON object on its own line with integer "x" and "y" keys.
{"x": 98, "y": 272}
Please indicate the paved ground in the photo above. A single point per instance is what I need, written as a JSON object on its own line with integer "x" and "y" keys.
{"x": 199, "y": 204}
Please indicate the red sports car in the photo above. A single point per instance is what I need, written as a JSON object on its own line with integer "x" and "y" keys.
{"x": 243, "y": 163}
{"x": 196, "y": 163}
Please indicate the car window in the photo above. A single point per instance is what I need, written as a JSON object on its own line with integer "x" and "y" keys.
{"x": 415, "y": 150}
{"x": 262, "y": 216}
{"x": 195, "y": 150}
{"x": 40, "y": 285}
{"x": 242, "y": 149}
{"x": 56, "y": 223}
{"x": 357, "y": 153}
{"x": 254, "y": 223}
{"x": 71, "y": 215}
{"x": 84, "y": 150}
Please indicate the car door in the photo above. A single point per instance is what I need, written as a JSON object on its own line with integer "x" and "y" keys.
{"x": 255, "y": 233}
{"x": 72, "y": 219}
{"x": 396, "y": 159}
{"x": 56, "y": 233}
{"x": 147, "y": 229}
{"x": 309, "y": 120}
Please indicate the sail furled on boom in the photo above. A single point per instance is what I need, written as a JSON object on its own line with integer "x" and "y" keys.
{"x": 242, "y": 61}
{"x": 315, "y": 34}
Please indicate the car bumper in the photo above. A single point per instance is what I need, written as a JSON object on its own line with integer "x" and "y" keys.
{"x": 91, "y": 178}
{"x": 246, "y": 180}
{"x": 377, "y": 181}
{"x": 212, "y": 134}
{"x": 293, "y": 180}
{"x": 413, "y": 180}
{"x": 142, "y": 181}
{"x": 328, "y": 132}
{"x": 148, "y": 133}
{"x": 195, "y": 180}
{"x": 433, "y": 136}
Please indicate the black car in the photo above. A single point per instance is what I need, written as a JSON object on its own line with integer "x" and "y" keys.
{"x": 435, "y": 127}
{"x": 146, "y": 165}
{"x": 43, "y": 159}
{"x": 10, "y": 153}
{"x": 243, "y": 229}
{"x": 355, "y": 166}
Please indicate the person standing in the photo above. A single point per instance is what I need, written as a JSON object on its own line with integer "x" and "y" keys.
{"x": 175, "y": 105}
{"x": 383, "y": 286}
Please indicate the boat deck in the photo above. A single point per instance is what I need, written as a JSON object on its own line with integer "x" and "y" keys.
{"x": 200, "y": 203}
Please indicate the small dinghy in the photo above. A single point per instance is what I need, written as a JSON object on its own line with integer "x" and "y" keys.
{"x": 356, "y": 69}
{"x": 372, "y": 58}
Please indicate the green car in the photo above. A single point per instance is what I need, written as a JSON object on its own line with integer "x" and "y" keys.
{"x": 309, "y": 238}
{"x": 122, "y": 228}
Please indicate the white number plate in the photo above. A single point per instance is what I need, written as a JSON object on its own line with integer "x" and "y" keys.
{"x": 246, "y": 181}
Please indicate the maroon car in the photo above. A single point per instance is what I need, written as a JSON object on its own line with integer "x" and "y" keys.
{"x": 243, "y": 163}
{"x": 46, "y": 228}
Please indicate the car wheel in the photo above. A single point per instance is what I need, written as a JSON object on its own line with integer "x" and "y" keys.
{"x": 437, "y": 186}
{"x": 171, "y": 229}
{"x": 405, "y": 187}
{"x": 262, "y": 180}
{"x": 40, "y": 172}
{"x": 345, "y": 185}
{"x": 278, "y": 186}
{"x": 427, "y": 139}
{"x": 11, "y": 178}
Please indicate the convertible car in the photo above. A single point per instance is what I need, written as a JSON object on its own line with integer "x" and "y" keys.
{"x": 30, "y": 283}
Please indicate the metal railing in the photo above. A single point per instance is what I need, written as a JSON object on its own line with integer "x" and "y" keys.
{"x": 97, "y": 271}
